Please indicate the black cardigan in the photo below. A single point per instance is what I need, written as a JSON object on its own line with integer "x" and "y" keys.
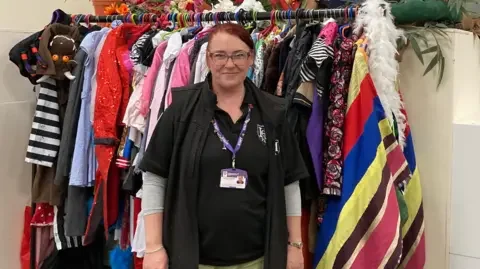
{"x": 188, "y": 119}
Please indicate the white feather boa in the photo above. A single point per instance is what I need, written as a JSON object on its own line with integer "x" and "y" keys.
{"x": 376, "y": 21}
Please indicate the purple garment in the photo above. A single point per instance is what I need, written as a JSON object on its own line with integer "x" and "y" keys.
{"x": 315, "y": 136}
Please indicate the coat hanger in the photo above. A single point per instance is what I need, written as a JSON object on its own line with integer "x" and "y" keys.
{"x": 132, "y": 17}
{"x": 293, "y": 26}
{"x": 171, "y": 18}
{"x": 87, "y": 21}
{"x": 141, "y": 18}
{"x": 327, "y": 18}
{"x": 352, "y": 12}
{"x": 289, "y": 23}
{"x": 344, "y": 28}
{"x": 77, "y": 19}
{"x": 201, "y": 30}
{"x": 277, "y": 36}
{"x": 185, "y": 32}
{"x": 182, "y": 22}
{"x": 197, "y": 22}
{"x": 271, "y": 27}
{"x": 190, "y": 18}
{"x": 312, "y": 19}
{"x": 236, "y": 15}
{"x": 188, "y": 29}
{"x": 253, "y": 25}
{"x": 215, "y": 18}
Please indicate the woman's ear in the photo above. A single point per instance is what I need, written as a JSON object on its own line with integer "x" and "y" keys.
{"x": 252, "y": 61}
{"x": 251, "y": 58}
{"x": 209, "y": 61}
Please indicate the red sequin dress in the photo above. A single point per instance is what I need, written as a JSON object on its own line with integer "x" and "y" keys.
{"x": 113, "y": 86}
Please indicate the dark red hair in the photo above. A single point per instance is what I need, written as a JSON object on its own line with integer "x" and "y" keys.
{"x": 235, "y": 30}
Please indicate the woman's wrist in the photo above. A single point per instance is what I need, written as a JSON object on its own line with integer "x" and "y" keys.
{"x": 151, "y": 250}
{"x": 295, "y": 244}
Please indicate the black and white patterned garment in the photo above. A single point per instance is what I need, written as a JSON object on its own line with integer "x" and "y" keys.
{"x": 258, "y": 64}
{"x": 310, "y": 66}
{"x": 44, "y": 141}
{"x": 62, "y": 241}
{"x": 136, "y": 55}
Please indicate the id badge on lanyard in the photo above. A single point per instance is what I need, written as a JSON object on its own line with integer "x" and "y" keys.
{"x": 233, "y": 177}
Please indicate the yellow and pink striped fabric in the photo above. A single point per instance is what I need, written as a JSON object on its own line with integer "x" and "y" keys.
{"x": 363, "y": 228}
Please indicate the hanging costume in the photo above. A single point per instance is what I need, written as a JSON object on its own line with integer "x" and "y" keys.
{"x": 56, "y": 48}
{"x": 70, "y": 123}
{"x": 374, "y": 167}
{"x": 44, "y": 141}
{"x": 413, "y": 230}
{"x": 111, "y": 99}
{"x": 335, "y": 119}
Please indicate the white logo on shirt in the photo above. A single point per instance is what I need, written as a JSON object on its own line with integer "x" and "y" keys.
{"x": 261, "y": 134}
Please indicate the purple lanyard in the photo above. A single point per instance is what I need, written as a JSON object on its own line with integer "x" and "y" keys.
{"x": 224, "y": 140}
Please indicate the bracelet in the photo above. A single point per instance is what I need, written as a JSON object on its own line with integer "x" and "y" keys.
{"x": 155, "y": 250}
{"x": 297, "y": 245}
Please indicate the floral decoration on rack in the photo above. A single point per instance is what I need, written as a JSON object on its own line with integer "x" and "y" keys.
{"x": 285, "y": 4}
{"x": 179, "y": 6}
{"x": 117, "y": 9}
{"x": 166, "y": 6}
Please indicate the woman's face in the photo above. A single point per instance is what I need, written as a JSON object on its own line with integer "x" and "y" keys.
{"x": 228, "y": 59}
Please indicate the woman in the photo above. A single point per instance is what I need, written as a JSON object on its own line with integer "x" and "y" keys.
{"x": 196, "y": 213}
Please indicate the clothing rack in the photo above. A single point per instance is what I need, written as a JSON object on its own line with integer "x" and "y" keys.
{"x": 240, "y": 16}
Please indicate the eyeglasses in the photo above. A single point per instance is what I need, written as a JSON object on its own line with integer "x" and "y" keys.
{"x": 239, "y": 58}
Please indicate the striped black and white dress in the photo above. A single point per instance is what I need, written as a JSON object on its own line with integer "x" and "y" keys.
{"x": 44, "y": 141}
{"x": 319, "y": 52}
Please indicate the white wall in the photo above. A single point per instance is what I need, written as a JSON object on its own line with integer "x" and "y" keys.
{"x": 18, "y": 19}
{"x": 430, "y": 115}
{"x": 465, "y": 198}
{"x": 445, "y": 125}
{"x": 30, "y": 15}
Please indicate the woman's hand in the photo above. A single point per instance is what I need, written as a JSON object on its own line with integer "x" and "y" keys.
{"x": 294, "y": 258}
{"x": 156, "y": 260}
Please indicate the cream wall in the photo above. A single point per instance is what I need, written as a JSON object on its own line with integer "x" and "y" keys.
{"x": 31, "y": 15}
{"x": 430, "y": 116}
{"x": 18, "y": 19}
{"x": 445, "y": 125}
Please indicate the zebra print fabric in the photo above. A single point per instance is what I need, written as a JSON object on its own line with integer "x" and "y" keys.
{"x": 316, "y": 56}
{"x": 136, "y": 55}
{"x": 44, "y": 141}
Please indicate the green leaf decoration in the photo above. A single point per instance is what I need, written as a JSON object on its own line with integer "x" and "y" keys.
{"x": 416, "y": 49}
{"x": 430, "y": 50}
{"x": 441, "y": 71}
{"x": 432, "y": 64}
{"x": 438, "y": 32}
{"x": 419, "y": 36}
